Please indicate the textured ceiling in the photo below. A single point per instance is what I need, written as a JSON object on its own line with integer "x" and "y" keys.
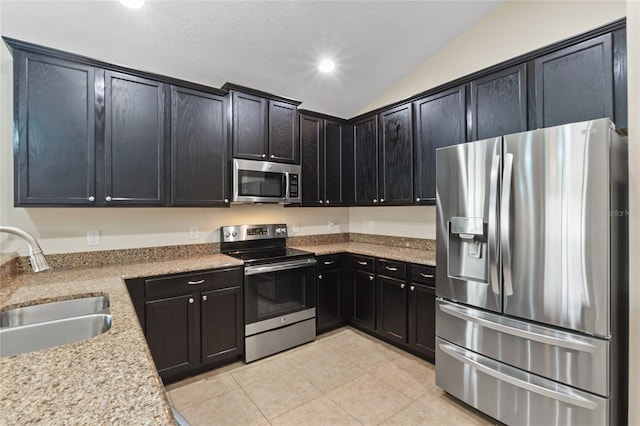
{"x": 273, "y": 46}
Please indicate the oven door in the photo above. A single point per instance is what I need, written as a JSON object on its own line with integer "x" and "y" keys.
{"x": 276, "y": 294}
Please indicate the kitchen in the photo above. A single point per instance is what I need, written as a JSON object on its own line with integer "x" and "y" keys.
{"x": 63, "y": 230}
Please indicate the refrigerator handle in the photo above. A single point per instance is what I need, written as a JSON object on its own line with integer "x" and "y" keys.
{"x": 505, "y": 230}
{"x": 567, "y": 398}
{"x": 494, "y": 260}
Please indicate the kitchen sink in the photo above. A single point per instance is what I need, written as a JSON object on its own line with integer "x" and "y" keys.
{"x": 53, "y": 311}
{"x": 31, "y": 328}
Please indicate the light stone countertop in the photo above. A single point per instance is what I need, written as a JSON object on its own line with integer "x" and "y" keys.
{"x": 110, "y": 379}
{"x": 422, "y": 257}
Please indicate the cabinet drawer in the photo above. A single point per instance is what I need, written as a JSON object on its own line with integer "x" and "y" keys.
{"x": 423, "y": 274}
{"x": 332, "y": 261}
{"x": 392, "y": 268}
{"x": 363, "y": 263}
{"x": 184, "y": 283}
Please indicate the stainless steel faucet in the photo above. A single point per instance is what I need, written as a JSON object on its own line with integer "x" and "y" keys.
{"x": 36, "y": 257}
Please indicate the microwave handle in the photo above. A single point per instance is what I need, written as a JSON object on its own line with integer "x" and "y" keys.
{"x": 287, "y": 187}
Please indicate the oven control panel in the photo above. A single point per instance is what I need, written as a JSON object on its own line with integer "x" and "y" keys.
{"x": 252, "y": 232}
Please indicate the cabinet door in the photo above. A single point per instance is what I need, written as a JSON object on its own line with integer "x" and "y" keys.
{"x": 312, "y": 140}
{"x": 54, "y": 124}
{"x": 440, "y": 122}
{"x": 365, "y": 162}
{"x": 392, "y": 313}
{"x": 499, "y": 103}
{"x": 364, "y": 299}
{"x": 284, "y": 146}
{"x": 422, "y": 319}
{"x": 221, "y": 324}
{"x": 172, "y": 331}
{"x": 395, "y": 172}
{"x": 329, "y": 305}
{"x": 134, "y": 140}
{"x": 249, "y": 126}
{"x": 333, "y": 164}
{"x": 575, "y": 83}
{"x": 198, "y": 148}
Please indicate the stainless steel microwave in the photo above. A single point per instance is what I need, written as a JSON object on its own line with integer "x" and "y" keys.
{"x": 266, "y": 182}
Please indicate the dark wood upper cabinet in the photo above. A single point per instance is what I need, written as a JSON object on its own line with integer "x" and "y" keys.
{"x": 198, "y": 148}
{"x": 575, "y": 83}
{"x": 440, "y": 122}
{"x": 395, "y": 152}
{"x": 249, "y": 126}
{"x": 365, "y": 162}
{"x": 264, "y": 129}
{"x": 499, "y": 103}
{"x": 134, "y": 140}
{"x": 283, "y": 133}
{"x": 620, "y": 78}
{"x": 54, "y": 154}
{"x": 322, "y": 162}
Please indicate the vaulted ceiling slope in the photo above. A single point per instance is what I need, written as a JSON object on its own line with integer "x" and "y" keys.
{"x": 274, "y": 46}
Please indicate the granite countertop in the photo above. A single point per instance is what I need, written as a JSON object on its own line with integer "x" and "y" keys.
{"x": 423, "y": 257}
{"x": 110, "y": 379}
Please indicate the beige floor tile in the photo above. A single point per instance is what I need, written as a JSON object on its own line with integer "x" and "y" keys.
{"x": 367, "y": 353}
{"x": 318, "y": 412}
{"x": 280, "y": 392}
{"x": 369, "y": 400}
{"x": 328, "y": 371}
{"x": 232, "y": 408}
{"x": 195, "y": 392}
{"x": 411, "y": 376}
{"x": 256, "y": 371}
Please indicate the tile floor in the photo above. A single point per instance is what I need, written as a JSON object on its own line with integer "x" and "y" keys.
{"x": 343, "y": 378}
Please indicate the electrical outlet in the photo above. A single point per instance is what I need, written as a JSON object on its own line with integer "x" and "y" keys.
{"x": 331, "y": 225}
{"x": 370, "y": 225}
{"x": 93, "y": 238}
{"x": 194, "y": 233}
{"x": 296, "y": 227}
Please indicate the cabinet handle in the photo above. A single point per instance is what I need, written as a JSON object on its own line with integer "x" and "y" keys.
{"x": 370, "y": 277}
{"x": 375, "y": 201}
{"x": 402, "y": 285}
{"x": 390, "y": 268}
{"x": 264, "y": 155}
{"x": 418, "y": 199}
{"x": 273, "y": 156}
{"x": 195, "y": 282}
{"x": 413, "y": 287}
{"x": 327, "y": 202}
{"x": 226, "y": 201}
{"x": 191, "y": 300}
{"x": 320, "y": 276}
{"x": 108, "y": 198}
{"x": 329, "y": 262}
{"x": 382, "y": 200}
{"x": 204, "y": 298}
{"x": 92, "y": 198}
{"x": 360, "y": 262}
{"x": 320, "y": 201}
{"x": 426, "y": 275}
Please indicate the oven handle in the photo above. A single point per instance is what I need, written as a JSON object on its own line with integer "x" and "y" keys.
{"x": 280, "y": 266}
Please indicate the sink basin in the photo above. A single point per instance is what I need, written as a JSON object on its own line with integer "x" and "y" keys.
{"x": 54, "y": 311}
{"x": 32, "y": 337}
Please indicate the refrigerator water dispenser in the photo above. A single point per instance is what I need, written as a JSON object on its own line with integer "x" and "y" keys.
{"x": 468, "y": 258}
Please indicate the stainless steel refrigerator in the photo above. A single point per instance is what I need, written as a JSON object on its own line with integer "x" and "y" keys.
{"x": 532, "y": 275}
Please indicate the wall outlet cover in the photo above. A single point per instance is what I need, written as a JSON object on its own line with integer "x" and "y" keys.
{"x": 194, "y": 233}
{"x": 93, "y": 238}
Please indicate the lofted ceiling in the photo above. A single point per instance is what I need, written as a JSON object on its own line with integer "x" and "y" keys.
{"x": 273, "y": 46}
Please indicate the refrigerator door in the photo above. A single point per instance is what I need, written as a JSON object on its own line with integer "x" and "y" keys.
{"x": 514, "y": 396}
{"x": 554, "y": 226}
{"x": 467, "y": 190}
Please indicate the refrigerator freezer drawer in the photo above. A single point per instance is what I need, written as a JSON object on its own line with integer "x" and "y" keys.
{"x": 511, "y": 395}
{"x": 576, "y": 360}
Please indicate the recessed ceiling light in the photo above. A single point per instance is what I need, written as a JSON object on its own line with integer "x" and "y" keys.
{"x": 133, "y": 4}
{"x": 327, "y": 65}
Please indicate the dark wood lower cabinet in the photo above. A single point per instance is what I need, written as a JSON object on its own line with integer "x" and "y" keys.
{"x": 364, "y": 300}
{"x": 191, "y": 321}
{"x": 392, "y": 318}
{"x": 422, "y": 320}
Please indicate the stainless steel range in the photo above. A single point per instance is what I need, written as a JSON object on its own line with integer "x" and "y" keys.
{"x": 279, "y": 288}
